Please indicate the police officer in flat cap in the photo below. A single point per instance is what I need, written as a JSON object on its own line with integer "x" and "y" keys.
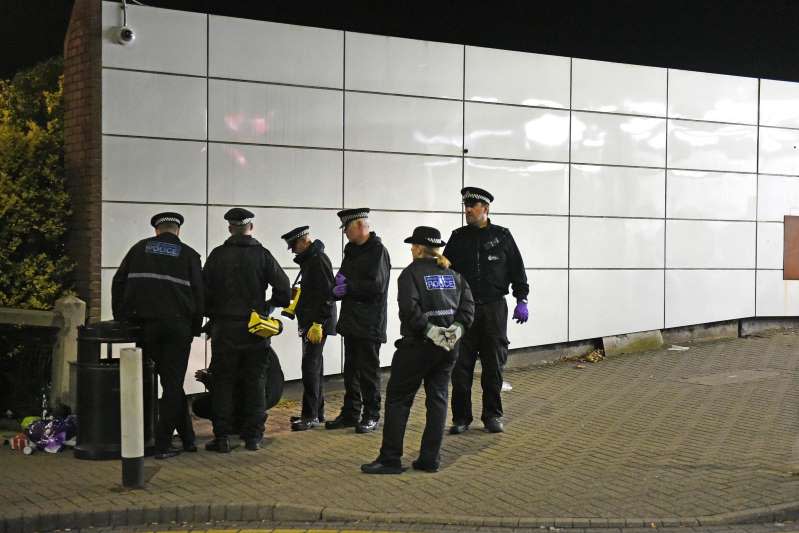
{"x": 159, "y": 287}
{"x": 435, "y": 308}
{"x": 313, "y": 305}
{"x": 237, "y": 275}
{"x": 362, "y": 286}
{"x": 487, "y": 256}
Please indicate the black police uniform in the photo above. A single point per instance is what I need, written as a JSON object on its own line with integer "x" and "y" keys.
{"x": 489, "y": 260}
{"x": 362, "y": 323}
{"x": 427, "y": 293}
{"x": 237, "y": 275}
{"x": 159, "y": 286}
{"x": 315, "y": 305}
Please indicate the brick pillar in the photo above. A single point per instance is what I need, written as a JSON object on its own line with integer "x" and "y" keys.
{"x": 83, "y": 145}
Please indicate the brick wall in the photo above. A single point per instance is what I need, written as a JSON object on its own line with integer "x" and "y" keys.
{"x": 82, "y": 147}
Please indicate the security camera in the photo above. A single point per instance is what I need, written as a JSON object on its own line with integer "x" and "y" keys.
{"x": 125, "y": 35}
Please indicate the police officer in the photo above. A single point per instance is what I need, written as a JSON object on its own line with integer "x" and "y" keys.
{"x": 316, "y": 319}
{"x": 159, "y": 287}
{"x": 362, "y": 286}
{"x": 237, "y": 275}
{"x": 487, "y": 256}
{"x": 435, "y": 308}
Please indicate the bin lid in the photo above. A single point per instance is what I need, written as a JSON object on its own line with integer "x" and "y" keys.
{"x": 109, "y": 331}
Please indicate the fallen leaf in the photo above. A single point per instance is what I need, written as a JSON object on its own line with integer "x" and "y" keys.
{"x": 595, "y": 356}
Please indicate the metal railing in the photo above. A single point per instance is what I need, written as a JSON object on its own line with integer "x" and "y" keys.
{"x": 36, "y": 334}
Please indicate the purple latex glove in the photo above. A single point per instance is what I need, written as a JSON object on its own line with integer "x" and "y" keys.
{"x": 340, "y": 290}
{"x": 520, "y": 314}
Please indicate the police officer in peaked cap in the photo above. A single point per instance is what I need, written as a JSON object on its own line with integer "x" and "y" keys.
{"x": 237, "y": 275}
{"x": 435, "y": 308}
{"x": 362, "y": 286}
{"x": 487, "y": 256}
{"x": 315, "y": 310}
{"x": 159, "y": 286}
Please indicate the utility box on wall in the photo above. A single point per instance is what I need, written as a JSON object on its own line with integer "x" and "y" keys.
{"x": 790, "y": 249}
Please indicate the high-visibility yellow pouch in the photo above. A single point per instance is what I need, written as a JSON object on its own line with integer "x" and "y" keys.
{"x": 264, "y": 326}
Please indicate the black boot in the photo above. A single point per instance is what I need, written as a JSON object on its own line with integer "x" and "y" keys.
{"x": 424, "y": 467}
{"x": 253, "y": 444}
{"x": 376, "y": 467}
{"x": 494, "y": 425}
{"x": 367, "y": 426}
{"x": 220, "y": 444}
{"x": 341, "y": 422}
{"x": 457, "y": 429}
{"x": 304, "y": 424}
{"x": 166, "y": 453}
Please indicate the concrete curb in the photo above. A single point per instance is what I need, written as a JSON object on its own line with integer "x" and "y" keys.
{"x": 288, "y": 512}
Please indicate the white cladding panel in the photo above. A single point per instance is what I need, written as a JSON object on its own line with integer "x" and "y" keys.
{"x": 508, "y": 77}
{"x": 618, "y": 88}
{"x": 602, "y": 139}
{"x": 268, "y": 51}
{"x": 630, "y": 301}
{"x": 716, "y": 97}
{"x": 403, "y": 66}
{"x": 617, "y": 191}
{"x": 699, "y": 296}
{"x": 166, "y": 40}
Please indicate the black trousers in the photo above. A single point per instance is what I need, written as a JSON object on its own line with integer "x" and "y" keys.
{"x": 168, "y": 344}
{"x": 361, "y": 379}
{"x": 238, "y": 360}
{"x": 486, "y": 340}
{"x": 414, "y": 362}
{"x": 313, "y": 372}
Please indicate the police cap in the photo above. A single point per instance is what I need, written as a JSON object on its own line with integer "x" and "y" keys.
{"x": 295, "y": 234}
{"x": 166, "y": 218}
{"x": 348, "y": 215}
{"x": 476, "y": 194}
{"x": 426, "y": 236}
{"x": 238, "y": 216}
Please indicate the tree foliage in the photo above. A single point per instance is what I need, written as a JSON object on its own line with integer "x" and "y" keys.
{"x": 34, "y": 204}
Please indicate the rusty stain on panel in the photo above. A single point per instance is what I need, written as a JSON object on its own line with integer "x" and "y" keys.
{"x": 790, "y": 249}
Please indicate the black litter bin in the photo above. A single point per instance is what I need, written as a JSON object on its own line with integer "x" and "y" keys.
{"x": 98, "y": 392}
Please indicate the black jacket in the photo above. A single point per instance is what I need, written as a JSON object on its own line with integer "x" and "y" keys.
{"x": 489, "y": 260}
{"x": 237, "y": 275}
{"x": 316, "y": 298}
{"x": 363, "y": 308}
{"x": 160, "y": 277}
{"x": 430, "y": 293}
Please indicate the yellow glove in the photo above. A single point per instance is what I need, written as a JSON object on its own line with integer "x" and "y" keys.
{"x": 315, "y": 333}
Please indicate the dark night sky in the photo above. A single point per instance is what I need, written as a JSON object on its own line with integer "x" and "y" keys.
{"x": 741, "y": 37}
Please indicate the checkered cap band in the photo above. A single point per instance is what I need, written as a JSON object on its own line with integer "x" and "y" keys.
{"x": 295, "y": 236}
{"x": 242, "y": 222}
{"x": 475, "y": 196}
{"x": 434, "y": 242}
{"x": 346, "y": 219}
{"x": 166, "y": 219}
